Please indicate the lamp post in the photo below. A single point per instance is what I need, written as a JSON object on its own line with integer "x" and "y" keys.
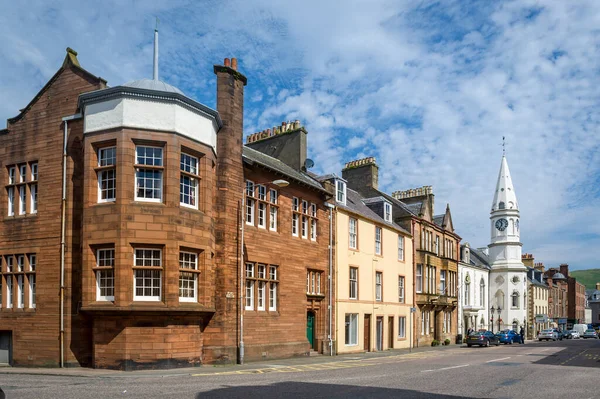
{"x": 492, "y": 309}
{"x": 499, "y": 318}
{"x": 278, "y": 183}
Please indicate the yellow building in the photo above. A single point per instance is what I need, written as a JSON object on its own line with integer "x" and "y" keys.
{"x": 537, "y": 293}
{"x": 373, "y": 273}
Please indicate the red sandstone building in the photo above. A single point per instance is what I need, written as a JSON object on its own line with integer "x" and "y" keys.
{"x": 138, "y": 231}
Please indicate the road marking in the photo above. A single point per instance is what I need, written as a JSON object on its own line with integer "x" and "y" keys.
{"x": 497, "y": 360}
{"x": 446, "y": 368}
{"x": 337, "y": 365}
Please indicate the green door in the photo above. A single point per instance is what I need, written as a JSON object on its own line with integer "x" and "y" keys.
{"x": 310, "y": 323}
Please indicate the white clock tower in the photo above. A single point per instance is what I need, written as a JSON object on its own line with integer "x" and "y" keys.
{"x": 508, "y": 277}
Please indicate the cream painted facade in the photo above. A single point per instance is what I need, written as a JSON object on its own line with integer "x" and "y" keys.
{"x": 538, "y": 295}
{"x": 354, "y": 306}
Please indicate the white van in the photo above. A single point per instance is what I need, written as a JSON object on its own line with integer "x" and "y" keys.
{"x": 580, "y": 328}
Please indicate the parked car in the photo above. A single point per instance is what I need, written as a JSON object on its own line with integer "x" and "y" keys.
{"x": 548, "y": 334}
{"x": 508, "y": 337}
{"x": 482, "y": 338}
{"x": 559, "y": 333}
{"x": 590, "y": 333}
{"x": 572, "y": 334}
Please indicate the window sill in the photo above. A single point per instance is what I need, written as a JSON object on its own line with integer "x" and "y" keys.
{"x": 23, "y": 216}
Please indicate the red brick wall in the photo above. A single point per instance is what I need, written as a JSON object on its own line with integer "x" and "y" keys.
{"x": 283, "y": 333}
{"x": 134, "y": 341}
{"x": 38, "y": 136}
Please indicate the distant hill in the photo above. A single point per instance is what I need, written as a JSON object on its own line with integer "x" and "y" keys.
{"x": 587, "y": 277}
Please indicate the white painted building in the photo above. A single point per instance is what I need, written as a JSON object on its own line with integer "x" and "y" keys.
{"x": 508, "y": 275}
{"x": 473, "y": 281}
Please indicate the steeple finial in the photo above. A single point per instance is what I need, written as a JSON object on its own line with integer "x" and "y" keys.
{"x": 503, "y": 146}
{"x": 155, "y": 69}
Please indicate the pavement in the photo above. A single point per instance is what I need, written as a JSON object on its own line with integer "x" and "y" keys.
{"x": 298, "y": 363}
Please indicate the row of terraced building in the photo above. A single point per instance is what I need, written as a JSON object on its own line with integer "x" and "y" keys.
{"x": 139, "y": 231}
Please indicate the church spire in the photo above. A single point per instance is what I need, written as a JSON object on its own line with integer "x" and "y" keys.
{"x": 505, "y": 196}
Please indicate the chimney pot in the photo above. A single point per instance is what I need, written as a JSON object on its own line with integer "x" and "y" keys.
{"x": 226, "y": 62}
{"x": 234, "y": 63}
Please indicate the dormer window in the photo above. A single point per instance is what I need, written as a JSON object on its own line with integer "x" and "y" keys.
{"x": 340, "y": 190}
{"x": 387, "y": 212}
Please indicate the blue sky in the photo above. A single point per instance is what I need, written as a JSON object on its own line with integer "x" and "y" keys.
{"x": 429, "y": 88}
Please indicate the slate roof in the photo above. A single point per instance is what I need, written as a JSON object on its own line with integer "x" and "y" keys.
{"x": 374, "y": 200}
{"x": 534, "y": 281}
{"x": 256, "y": 157}
{"x": 479, "y": 258}
{"x": 355, "y": 204}
{"x": 439, "y": 219}
{"x": 591, "y": 294}
{"x": 415, "y": 208}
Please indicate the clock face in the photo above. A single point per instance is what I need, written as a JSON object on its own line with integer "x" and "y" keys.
{"x": 501, "y": 224}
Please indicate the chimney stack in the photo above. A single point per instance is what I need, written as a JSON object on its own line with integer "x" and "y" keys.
{"x": 229, "y": 184}
{"x": 362, "y": 174}
{"x": 564, "y": 269}
{"x": 528, "y": 260}
{"x": 287, "y": 143}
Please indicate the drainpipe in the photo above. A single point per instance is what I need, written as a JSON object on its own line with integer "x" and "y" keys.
{"x": 63, "y": 217}
{"x": 331, "y": 208}
{"x": 242, "y": 287}
{"x": 412, "y": 231}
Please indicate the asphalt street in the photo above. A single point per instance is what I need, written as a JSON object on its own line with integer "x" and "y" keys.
{"x": 568, "y": 368}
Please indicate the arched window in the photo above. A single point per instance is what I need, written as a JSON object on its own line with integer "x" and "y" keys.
{"x": 501, "y": 205}
{"x": 499, "y": 298}
{"x": 482, "y": 293}
{"x": 512, "y": 227}
{"x": 515, "y": 300}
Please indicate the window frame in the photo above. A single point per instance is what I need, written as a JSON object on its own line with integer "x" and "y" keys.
{"x": 400, "y": 247}
{"x": 106, "y": 165}
{"x": 340, "y": 191}
{"x": 401, "y": 289}
{"x": 350, "y": 327}
{"x": 12, "y": 175}
{"x": 159, "y": 169}
{"x": 401, "y": 327}
{"x": 33, "y": 198}
{"x": 194, "y": 271}
{"x": 353, "y": 282}
{"x": 378, "y": 286}
{"x": 378, "y": 241}
{"x": 443, "y": 282}
{"x": 193, "y": 182}
{"x": 353, "y": 233}
{"x": 101, "y": 268}
{"x": 11, "y": 200}
{"x": 156, "y": 269}
{"x": 387, "y": 212}
{"x": 419, "y": 278}
{"x": 273, "y": 288}
{"x": 22, "y": 200}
